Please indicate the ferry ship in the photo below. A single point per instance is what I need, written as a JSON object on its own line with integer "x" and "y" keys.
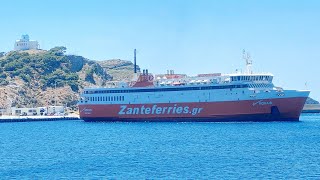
{"x": 211, "y": 97}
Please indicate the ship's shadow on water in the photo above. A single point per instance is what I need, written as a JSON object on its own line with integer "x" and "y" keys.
{"x": 161, "y": 150}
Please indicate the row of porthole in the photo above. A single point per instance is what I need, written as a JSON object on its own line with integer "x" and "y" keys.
{"x": 105, "y": 98}
{"x": 260, "y": 86}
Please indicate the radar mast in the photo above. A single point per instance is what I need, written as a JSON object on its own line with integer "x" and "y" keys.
{"x": 246, "y": 56}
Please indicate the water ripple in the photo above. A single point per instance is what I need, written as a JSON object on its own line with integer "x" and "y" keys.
{"x": 75, "y": 149}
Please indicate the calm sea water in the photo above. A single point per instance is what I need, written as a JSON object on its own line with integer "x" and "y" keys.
{"x": 75, "y": 149}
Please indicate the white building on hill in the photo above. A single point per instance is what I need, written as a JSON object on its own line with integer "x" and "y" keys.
{"x": 25, "y": 44}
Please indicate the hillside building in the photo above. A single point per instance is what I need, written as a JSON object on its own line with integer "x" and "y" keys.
{"x": 25, "y": 44}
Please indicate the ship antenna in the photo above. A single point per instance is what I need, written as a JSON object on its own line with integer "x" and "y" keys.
{"x": 246, "y": 56}
{"x": 135, "y": 61}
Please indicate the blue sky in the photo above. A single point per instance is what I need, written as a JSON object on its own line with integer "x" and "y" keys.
{"x": 189, "y": 36}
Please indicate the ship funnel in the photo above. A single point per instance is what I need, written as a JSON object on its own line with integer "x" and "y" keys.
{"x": 135, "y": 61}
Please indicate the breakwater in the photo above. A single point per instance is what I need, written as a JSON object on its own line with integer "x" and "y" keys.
{"x": 4, "y": 119}
{"x": 311, "y": 108}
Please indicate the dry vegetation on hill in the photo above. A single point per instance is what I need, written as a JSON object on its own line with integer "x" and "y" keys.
{"x": 40, "y": 78}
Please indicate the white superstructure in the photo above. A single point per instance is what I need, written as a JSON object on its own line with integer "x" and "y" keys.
{"x": 25, "y": 43}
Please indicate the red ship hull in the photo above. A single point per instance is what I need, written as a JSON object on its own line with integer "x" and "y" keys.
{"x": 281, "y": 109}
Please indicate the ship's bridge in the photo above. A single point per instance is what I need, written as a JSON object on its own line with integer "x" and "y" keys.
{"x": 267, "y": 78}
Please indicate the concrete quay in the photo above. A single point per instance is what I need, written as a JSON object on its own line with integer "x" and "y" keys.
{"x": 311, "y": 108}
{"x": 4, "y": 119}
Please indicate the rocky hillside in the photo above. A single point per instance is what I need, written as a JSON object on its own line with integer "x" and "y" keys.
{"x": 118, "y": 69}
{"x": 311, "y": 101}
{"x": 41, "y": 78}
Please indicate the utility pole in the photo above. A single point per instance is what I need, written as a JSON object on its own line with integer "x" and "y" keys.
{"x": 55, "y": 94}
{"x": 135, "y": 60}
